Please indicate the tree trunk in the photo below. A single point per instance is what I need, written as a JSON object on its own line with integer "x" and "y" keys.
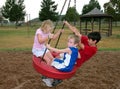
{"x": 16, "y": 24}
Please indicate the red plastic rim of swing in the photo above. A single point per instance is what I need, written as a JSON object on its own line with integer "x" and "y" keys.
{"x": 46, "y": 70}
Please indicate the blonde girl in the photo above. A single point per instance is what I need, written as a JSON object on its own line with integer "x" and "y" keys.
{"x": 42, "y": 35}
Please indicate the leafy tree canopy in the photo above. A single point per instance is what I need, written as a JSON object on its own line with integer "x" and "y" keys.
{"x": 14, "y": 10}
{"x": 48, "y": 10}
{"x": 88, "y": 7}
{"x": 113, "y": 8}
{"x": 72, "y": 15}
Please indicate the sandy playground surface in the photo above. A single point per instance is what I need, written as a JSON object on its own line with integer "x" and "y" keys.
{"x": 101, "y": 72}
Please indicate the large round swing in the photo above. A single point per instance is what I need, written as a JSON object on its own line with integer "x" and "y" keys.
{"x": 47, "y": 70}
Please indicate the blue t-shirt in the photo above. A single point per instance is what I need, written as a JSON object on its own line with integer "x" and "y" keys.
{"x": 67, "y": 63}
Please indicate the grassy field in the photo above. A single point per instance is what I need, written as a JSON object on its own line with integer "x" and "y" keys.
{"x": 22, "y": 39}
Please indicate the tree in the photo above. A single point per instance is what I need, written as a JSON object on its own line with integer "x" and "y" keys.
{"x": 48, "y": 10}
{"x": 88, "y": 7}
{"x": 72, "y": 15}
{"x": 113, "y": 8}
{"x": 14, "y": 10}
{"x": 1, "y": 17}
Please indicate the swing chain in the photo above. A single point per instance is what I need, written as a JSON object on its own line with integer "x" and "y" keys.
{"x": 55, "y": 27}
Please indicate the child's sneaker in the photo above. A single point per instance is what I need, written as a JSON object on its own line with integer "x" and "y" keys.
{"x": 48, "y": 81}
{"x": 44, "y": 77}
{"x": 56, "y": 82}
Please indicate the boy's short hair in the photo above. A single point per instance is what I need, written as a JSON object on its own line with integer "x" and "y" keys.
{"x": 75, "y": 37}
{"x": 95, "y": 36}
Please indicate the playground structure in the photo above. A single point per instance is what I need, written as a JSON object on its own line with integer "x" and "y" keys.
{"x": 96, "y": 17}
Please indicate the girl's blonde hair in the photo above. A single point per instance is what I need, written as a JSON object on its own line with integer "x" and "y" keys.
{"x": 47, "y": 24}
{"x": 75, "y": 37}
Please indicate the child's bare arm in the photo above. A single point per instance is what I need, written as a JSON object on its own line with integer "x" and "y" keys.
{"x": 66, "y": 50}
{"x": 57, "y": 34}
{"x": 81, "y": 45}
{"x": 73, "y": 29}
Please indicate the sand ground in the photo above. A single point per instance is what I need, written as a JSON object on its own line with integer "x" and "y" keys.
{"x": 101, "y": 72}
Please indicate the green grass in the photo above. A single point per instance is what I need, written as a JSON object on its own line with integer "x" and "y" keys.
{"x": 10, "y": 31}
{"x": 13, "y": 39}
{"x": 15, "y": 49}
{"x": 109, "y": 49}
{"x": 21, "y": 39}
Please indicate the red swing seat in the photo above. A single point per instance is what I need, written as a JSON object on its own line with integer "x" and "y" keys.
{"x": 49, "y": 71}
